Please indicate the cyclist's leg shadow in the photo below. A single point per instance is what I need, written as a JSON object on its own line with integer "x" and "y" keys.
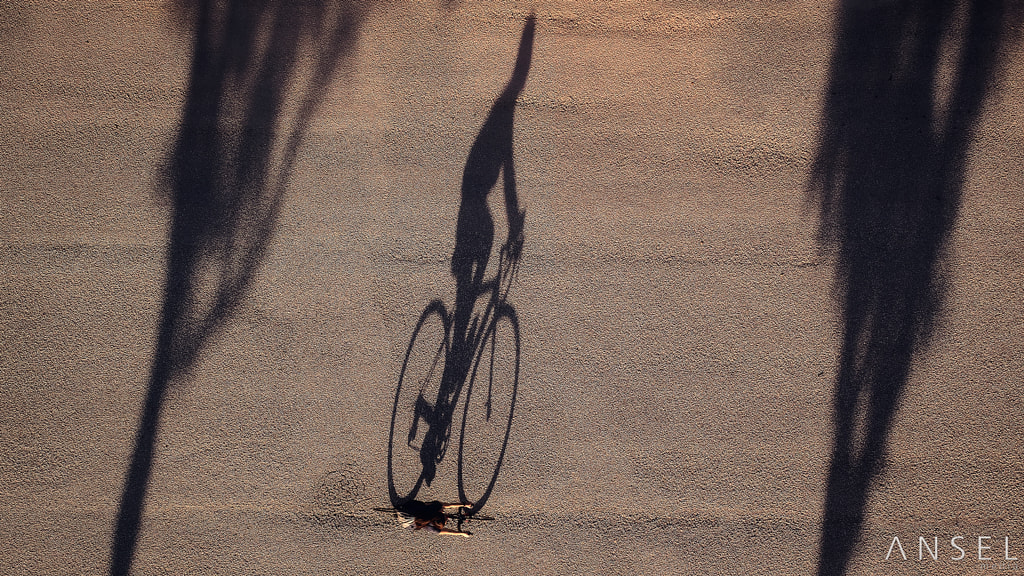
{"x": 438, "y": 416}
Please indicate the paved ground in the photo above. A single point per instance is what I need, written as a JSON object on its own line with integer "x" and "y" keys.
{"x": 769, "y": 300}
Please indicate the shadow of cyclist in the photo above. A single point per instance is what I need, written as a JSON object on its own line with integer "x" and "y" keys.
{"x": 489, "y": 158}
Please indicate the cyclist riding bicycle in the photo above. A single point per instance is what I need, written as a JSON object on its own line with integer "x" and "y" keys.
{"x": 430, "y": 516}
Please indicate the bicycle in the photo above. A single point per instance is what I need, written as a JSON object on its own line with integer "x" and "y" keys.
{"x": 438, "y": 365}
{"x": 461, "y": 517}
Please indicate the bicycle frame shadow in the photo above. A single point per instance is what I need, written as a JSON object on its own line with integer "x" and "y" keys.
{"x": 888, "y": 180}
{"x": 467, "y": 335}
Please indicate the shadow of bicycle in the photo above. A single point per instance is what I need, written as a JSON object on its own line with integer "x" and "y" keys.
{"x": 462, "y": 365}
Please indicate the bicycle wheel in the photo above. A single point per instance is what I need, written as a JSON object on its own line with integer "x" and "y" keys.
{"x": 490, "y": 407}
{"x": 418, "y": 383}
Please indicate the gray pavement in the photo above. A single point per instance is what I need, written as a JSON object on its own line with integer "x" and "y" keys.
{"x": 681, "y": 316}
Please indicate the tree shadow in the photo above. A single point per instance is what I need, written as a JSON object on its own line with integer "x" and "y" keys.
{"x": 253, "y": 61}
{"x": 908, "y": 80}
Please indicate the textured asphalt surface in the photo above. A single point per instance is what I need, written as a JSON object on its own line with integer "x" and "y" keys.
{"x": 215, "y": 244}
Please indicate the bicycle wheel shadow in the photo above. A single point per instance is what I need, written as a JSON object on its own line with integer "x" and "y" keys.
{"x": 888, "y": 179}
{"x": 226, "y": 178}
{"x": 481, "y": 351}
